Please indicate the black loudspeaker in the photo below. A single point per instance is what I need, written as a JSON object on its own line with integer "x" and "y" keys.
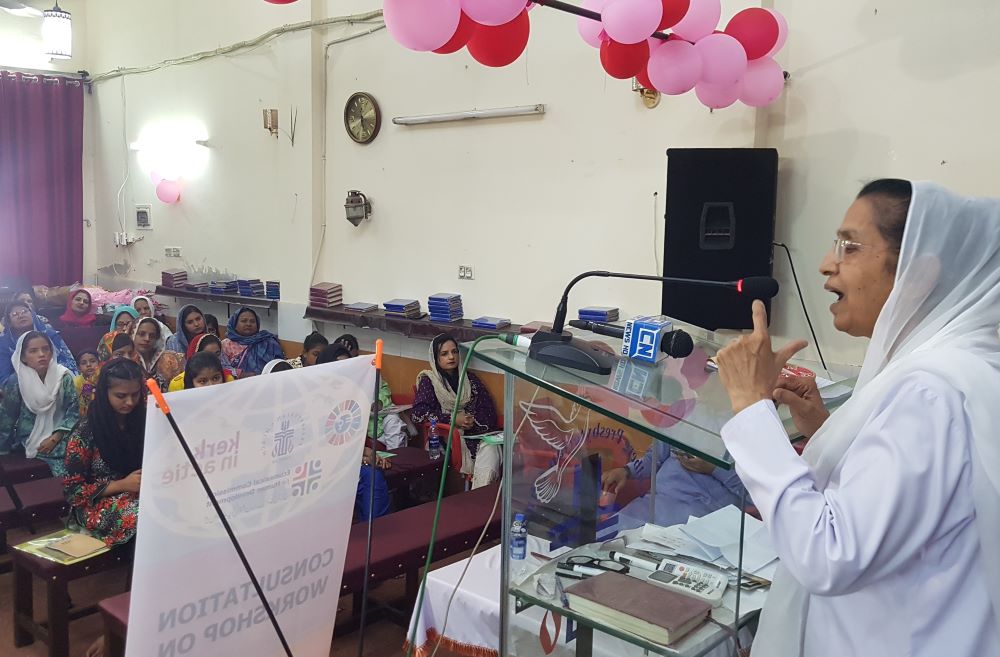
{"x": 720, "y": 227}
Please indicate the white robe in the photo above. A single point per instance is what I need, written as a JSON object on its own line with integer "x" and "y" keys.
{"x": 890, "y": 553}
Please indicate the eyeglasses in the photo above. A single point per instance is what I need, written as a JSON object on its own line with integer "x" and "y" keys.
{"x": 20, "y": 313}
{"x": 843, "y": 248}
{"x": 591, "y": 565}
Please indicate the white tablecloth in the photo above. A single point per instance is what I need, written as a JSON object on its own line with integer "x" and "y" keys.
{"x": 473, "y": 627}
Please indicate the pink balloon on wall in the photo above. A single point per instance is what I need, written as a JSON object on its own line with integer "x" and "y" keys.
{"x": 631, "y": 21}
{"x": 591, "y": 30}
{"x": 723, "y": 58}
{"x": 422, "y": 25}
{"x": 169, "y": 191}
{"x": 782, "y": 33}
{"x": 763, "y": 82}
{"x": 701, "y": 19}
{"x": 674, "y": 68}
{"x": 718, "y": 96}
{"x": 493, "y": 12}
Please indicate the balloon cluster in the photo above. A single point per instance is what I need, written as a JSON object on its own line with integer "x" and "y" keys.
{"x": 721, "y": 66}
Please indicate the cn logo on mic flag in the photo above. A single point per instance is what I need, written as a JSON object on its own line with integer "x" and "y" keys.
{"x": 282, "y": 453}
{"x": 643, "y": 336}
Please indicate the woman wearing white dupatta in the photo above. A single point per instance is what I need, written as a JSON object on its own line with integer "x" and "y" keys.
{"x": 888, "y": 525}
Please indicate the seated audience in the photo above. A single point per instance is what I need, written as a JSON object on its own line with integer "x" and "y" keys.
{"x": 190, "y": 323}
{"x": 18, "y": 320}
{"x": 144, "y": 306}
{"x": 86, "y": 380}
{"x": 435, "y": 400}
{"x": 27, "y": 296}
{"x": 122, "y": 323}
{"x": 212, "y": 326}
{"x": 277, "y": 366}
{"x": 123, "y": 347}
{"x": 207, "y": 343}
{"x": 363, "y": 499}
{"x": 349, "y": 342}
{"x": 40, "y": 405}
{"x": 103, "y": 465}
{"x": 156, "y": 361}
{"x": 247, "y": 346}
{"x": 79, "y": 309}
{"x": 204, "y": 369}
{"x": 311, "y": 346}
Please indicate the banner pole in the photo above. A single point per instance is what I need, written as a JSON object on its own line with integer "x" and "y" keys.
{"x": 161, "y": 403}
{"x": 377, "y": 362}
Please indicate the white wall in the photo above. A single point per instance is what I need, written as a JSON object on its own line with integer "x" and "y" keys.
{"x": 528, "y": 202}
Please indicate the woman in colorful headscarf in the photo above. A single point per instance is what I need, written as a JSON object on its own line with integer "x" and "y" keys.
{"x": 247, "y": 346}
{"x": 156, "y": 361}
{"x": 79, "y": 309}
{"x": 206, "y": 342}
{"x": 27, "y": 295}
{"x": 19, "y": 319}
{"x": 144, "y": 306}
{"x": 122, "y": 323}
{"x": 40, "y": 405}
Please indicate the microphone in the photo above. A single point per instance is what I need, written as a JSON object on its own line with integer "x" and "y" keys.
{"x": 676, "y": 343}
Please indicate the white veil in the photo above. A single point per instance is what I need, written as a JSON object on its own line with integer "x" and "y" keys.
{"x": 941, "y": 317}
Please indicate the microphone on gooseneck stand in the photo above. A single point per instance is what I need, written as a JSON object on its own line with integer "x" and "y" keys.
{"x": 676, "y": 343}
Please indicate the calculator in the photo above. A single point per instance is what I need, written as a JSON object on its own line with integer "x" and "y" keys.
{"x": 692, "y": 581}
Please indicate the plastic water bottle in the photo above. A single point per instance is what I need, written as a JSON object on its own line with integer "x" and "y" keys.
{"x": 518, "y": 548}
{"x": 434, "y": 442}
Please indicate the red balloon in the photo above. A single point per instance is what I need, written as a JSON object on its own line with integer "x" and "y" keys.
{"x": 756, "y": 29}
{"x": 501, "y": 45}
{"x": 622, "y": 60}
{"x": 673, "y": 12}
{"x": 643, "y": 78}
{"x": 466, "y": 28}
{"x": 280, "y": 2}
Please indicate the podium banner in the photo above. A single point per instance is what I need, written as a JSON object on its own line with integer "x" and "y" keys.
{"x": 282, "y": 453}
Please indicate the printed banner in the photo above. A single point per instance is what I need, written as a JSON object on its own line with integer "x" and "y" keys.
{"x": 282, "y": 454}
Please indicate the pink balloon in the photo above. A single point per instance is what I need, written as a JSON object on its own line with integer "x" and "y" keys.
{"x": 168, "y": 191}
{"x": 631, "y": 21}
{"x": 422, "y": 25}
{"x": 591, "y": 30}
{"x": 700, "y": 20}
{"x": 723, "y": 58}
{"x": 763, "y": 82}
{"x": 718, "y": 96}
{"x": 493, "y": 12}
{"x": 156, "y": 177}
{"x": 654, "y": 43}
{"x": 674, "y": 68}
{"x": 782, "y": 33}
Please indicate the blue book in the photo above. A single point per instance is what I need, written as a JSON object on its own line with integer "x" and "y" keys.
{"x": 445, "y": 296}
{"x": 491, "y": 322}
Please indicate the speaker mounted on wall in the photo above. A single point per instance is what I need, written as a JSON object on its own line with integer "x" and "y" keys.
{"x": 719, "y": 226}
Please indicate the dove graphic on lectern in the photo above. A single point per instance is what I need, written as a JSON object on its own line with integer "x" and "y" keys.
{"x": 558, "y": 431}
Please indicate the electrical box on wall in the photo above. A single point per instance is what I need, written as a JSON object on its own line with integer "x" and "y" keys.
{"x": 144, "y": 217}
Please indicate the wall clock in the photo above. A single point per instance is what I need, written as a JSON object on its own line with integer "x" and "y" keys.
{"x": 362, "y": 117}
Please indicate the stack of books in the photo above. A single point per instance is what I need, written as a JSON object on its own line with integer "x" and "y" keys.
{"x": 490, "y": 323}
{"x": 326, "y": 295}
{"x": 174, "y": 277}
{"x": 273, "y": 290}
{"x": 361, "y": 307}
{"x": 601, "y": 314}
{"x": 445, "y": 307}
{"x": 197, "y": 287}
{"x": 406, "y": 308}
{"x": 224, "y": 287}
{"x": 252, "y": 287}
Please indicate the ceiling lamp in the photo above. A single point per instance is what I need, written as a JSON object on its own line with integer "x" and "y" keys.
{"x": 57, "y": 32}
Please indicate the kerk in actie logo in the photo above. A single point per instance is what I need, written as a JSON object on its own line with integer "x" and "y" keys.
{"x": 344, "y": 421}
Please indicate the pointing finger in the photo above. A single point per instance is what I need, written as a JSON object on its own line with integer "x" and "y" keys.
{"x": 759, "y": 318}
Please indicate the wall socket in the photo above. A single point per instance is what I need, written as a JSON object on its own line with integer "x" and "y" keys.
{"x": 172, "y": 251}
{"x": 465, "y": 272}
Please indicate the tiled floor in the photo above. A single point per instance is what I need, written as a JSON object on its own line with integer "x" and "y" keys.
{"x": 383, "y": 639}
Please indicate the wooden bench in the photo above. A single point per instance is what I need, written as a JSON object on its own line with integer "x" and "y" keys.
{"x": 399, "y": 547}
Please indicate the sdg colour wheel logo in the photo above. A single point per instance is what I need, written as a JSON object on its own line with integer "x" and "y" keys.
{"x": 343, "y": 421}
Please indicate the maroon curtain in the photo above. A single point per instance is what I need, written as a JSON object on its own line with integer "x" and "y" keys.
{"x": 41, "y": 179}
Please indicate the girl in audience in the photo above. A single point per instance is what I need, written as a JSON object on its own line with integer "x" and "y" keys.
{"x": 40, "y": 405}
{"x": 122, "y": 323}
{"x": 18, "y": 320}
{"x": 204, "y": 369}
{"x": 436, "y": 397}
{"x": 86, "y": 380}
{"x": 349, "y": 342}
{"x": 190, "y": 323}
{"x": 103, "y": 466}
{"x": 79, "y": 309}
{"x": 362, "y": 499}
{"x": 123, "y": 347}
{"x": 27, "y": 296}
{"x": 144, "y": 306}
{"x": 247, "y": 346}
{"x": 212, "y": 326}
{"x": 156, "y": 361}
{"x": 314, "y": 343}
{"x": 204, "y": 343}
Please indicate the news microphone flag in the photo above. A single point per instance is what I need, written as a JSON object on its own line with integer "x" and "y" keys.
{"x": 644, "y": 337}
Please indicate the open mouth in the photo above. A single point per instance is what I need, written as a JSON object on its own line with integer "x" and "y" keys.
{"x": 838, "y": 293}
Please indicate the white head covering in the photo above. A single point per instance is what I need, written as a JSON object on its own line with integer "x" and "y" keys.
{"x": 39, "y": 397}
{"x": 270, "y": 365}
{"x": 165, "y": 331}
{"x": 942, "y": 318}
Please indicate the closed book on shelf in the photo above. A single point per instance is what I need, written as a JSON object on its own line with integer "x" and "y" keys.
{"x": 646, "y": 610}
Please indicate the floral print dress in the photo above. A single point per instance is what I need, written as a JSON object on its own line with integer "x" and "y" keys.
{"x": 111, "y": 519}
